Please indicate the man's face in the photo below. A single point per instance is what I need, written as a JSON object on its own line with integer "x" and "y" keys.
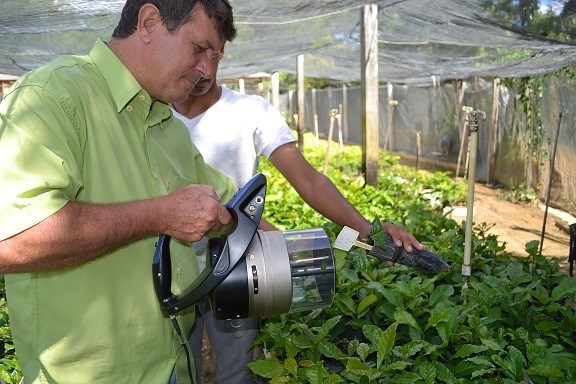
{"x": 177, "y": 61}
{"x": 206, "y": 84}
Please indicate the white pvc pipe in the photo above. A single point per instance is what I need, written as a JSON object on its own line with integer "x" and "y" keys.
{"x": 472, "y": 149}
{"x": 473, "y": 145}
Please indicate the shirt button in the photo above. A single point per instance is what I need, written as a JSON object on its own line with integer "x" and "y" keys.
{"x": 141, "y": 97}
{"x": 129, "y": 108}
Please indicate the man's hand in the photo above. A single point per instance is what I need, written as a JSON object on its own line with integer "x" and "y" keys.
{"x": 401, "y": 237}
{"x": 193, "y": 211}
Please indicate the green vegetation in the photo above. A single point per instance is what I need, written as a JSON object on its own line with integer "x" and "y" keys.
{"x": 519, "y": 195}
{"x": 9, "y": 367}
{"x": 556, "y": 22}
{"x": 514, "y": 322}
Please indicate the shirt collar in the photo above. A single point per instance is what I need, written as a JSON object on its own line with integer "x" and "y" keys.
{"x": 121, "y": 82}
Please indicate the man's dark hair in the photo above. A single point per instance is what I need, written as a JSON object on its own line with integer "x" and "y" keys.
{"x": 176, "y": 13}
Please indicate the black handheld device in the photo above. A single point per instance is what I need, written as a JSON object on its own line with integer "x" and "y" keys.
{"x": 226, "y": 251}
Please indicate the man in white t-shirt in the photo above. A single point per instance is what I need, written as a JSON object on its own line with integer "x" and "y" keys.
{"x": 232, "y": 131}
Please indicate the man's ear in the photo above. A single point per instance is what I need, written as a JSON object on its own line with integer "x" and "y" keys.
{"x": 148, "y": 20}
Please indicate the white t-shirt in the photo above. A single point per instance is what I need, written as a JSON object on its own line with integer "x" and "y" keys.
{"x": 232, "y": 135}
{"x": 236, "y": 131}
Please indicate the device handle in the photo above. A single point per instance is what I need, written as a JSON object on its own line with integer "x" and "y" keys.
{"x": 246, "y": 208}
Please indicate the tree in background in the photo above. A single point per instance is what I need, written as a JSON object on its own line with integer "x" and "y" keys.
{"x": 552, "y": 19}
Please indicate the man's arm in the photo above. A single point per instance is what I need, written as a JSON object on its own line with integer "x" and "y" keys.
{"x": 265, "y": 225}
{"x": 322, "y": 195}
{"x": 80, "y": 232}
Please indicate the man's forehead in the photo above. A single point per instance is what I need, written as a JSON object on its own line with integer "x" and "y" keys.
{"x": 203, "y": 30}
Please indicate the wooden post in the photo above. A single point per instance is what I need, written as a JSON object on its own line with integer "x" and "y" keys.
{"x": 300, "y": 81}
{"x": 345, "y": 110}
{"x": 339, "y": 121}
{"x": 370, "y": 103}
{"x": 315, "y": 115}
{"x": 291, "y": 108}
{"x": 389, "y": 138}
{"x": 493, "y": 134}
{"x": 275, "y": 79}
{"x": 333, "y": 113}
{"x": 418, "y": 149}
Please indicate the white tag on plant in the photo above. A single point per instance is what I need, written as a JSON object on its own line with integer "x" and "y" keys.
{"x": 348, "y": 238}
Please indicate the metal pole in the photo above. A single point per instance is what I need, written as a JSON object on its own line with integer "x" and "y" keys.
{"x": 472, "y": 117}
{"x": 551, "y": 171}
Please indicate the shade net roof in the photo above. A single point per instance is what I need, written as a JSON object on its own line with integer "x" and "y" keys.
{"x": 420, "y": 41}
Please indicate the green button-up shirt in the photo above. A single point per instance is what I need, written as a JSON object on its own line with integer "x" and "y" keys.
{"x": 82, "y": 129}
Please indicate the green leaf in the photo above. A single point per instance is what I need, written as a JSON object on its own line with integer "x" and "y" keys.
{"x": 411, "y": 348}
{"x": 358, "y": 367}
{"x": 347, "y": 304}
{"x": 281, "y": 380}
{"x": 328, "y": 349}
{"x": 394, "y": 298}
{"x": 493, "y": 345}
{"x": 566, "y": 288}
{"x": 427, "y": 371}
{"x": 386, "y": 343}
{"x": 545, "y": 371}
{"x": 327, "y": 327}
{"x": 291, "y": 366}
{"x": 444, "y": 331}
{"x": 481, "y": 372}
{"x": 407, "y": 378}
{"x": 516, "y": 362}
{"x": 302, "y": 341}
{"x": 512, "y": 363}
{"x": 363, "y": 351}
{"x": 397, "y": 366}
{"x": 536, "y": 353}
{"x": 315, "y": 374}
{"x": 469, "y": 349}
{"x": 353, "y": 347}
{"x": 372, "y": 333}
{"x": 268, "y": 368}
{"x": 333, "y": 379}
{"x": 532, "y": 246}
{"x": 306, "y": 363}
{"x": 403, "y": 317}
{"x": 444, "y": 374}
{"x": 439, "y": 294}
{"x": 365, "y": 303}
{"x": 547, "y": 325}
{"x": 438, "y": 317}
{"x": 480, "y": 360}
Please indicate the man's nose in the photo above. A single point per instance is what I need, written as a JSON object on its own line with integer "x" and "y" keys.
{"x": 206, "y": 66}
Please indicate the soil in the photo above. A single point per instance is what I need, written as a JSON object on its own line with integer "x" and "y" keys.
{"x": 208, "y": 365}
{"x": 514, "y": 224}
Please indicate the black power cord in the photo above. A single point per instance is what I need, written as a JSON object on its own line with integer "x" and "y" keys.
{"x": 184, "y": 344}
{"x": 572, "y": 251}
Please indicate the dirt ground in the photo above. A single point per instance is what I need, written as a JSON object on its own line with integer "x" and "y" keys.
{"x": 513, "y": 224}
{"x": 517, "y": 224}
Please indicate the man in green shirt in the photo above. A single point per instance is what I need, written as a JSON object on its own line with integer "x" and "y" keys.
{"x": 94, "y": 168}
